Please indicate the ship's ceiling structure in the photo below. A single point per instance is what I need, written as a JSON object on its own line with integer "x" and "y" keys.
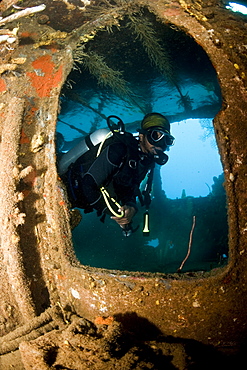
{"x": 146, "y": 66}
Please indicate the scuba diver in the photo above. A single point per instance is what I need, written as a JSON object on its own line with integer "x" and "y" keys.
{"x": 104, "y": 171}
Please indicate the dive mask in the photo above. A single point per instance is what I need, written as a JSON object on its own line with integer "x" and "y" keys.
{"x": 160, "y": 138}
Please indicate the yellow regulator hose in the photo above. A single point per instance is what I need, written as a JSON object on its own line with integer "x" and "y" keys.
{"x": 107, "y": 198}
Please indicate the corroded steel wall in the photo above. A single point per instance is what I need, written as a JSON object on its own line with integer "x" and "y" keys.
{"x": 35, "y": 225}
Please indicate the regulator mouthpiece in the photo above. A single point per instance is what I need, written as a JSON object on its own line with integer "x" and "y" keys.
{"x": 160, "y": 157}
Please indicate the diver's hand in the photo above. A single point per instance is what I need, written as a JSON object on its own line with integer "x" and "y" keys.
{"x": 129, "y": 213}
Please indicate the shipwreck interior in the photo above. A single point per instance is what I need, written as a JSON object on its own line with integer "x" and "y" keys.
{"x": 129, "y": 70}
{"x": 71, "y": 298}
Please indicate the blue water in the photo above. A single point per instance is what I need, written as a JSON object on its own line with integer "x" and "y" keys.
{"x": 194, "y": 162}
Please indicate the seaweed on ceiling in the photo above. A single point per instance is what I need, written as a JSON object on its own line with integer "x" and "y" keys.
{"x": 127, "y": 60}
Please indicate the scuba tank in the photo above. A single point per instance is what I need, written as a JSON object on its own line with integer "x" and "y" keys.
{"x": 82, "y": 147}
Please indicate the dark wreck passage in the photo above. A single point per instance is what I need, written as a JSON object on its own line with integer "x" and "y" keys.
{"x": 140, "y": 67}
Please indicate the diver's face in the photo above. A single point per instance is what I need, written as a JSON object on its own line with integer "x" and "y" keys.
{"x": 146, "y": 147}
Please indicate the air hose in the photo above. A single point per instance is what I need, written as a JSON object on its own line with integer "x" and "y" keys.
{"x": 102, "y": 142}
{"x": 108, "y": 198}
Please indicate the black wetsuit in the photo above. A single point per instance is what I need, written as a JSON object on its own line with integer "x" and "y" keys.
{"x": 120, "y": 167}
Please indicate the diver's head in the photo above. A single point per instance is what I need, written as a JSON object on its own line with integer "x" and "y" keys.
{"x": 155, "y": 135}
{"x": 155, "y": 120}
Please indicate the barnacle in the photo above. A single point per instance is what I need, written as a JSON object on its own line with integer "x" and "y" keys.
{"x": 192, "y": 11}
{"x": 49, "y": 38}
{"x": 37, "y": 142}
{"x": 87, "y": 37}
{"x": 7, "y": 67}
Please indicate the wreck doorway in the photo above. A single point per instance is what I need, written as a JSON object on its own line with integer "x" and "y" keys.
{"x": 130, "y": 70}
